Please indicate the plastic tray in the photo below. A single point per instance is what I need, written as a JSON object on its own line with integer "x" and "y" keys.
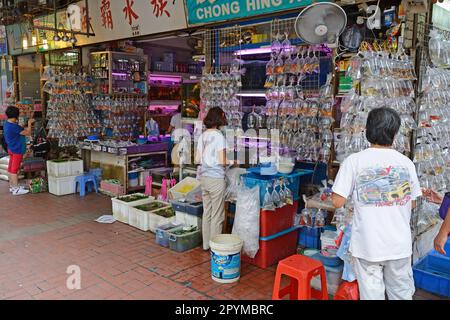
{"x": 64, "y": 169}
{"x": 195, "y": 210}
{"x": 185, "y": 242}
{"x": 61, "y": 186}
{"x": 162, "y": 233}
{"x": 155, "y": 220}
{"x": 176, "y": 192}
{"x": 121, "y": 208}
{"x": 432, "y": 274}
{"x": 178, "y": 206}
{"x": 253, "y": 179}
{"x": 274, "y": 248}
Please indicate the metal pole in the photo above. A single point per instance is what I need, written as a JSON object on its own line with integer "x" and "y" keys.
{"x": 88, "y": 22}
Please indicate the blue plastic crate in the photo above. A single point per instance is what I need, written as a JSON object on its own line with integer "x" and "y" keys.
{"x": 446, "y": 249}
{"x": 253, "y": 179}
{"x": 310, "y": 237}
{"x": 432, "y": 274}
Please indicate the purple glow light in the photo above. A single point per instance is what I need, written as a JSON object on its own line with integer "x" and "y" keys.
{"x": 253, "y": 51}
{"x": 119, "y": 74}
{"x": 255, "y": 94}
{"x": 165, "y": 78}
{"x": 164, "y": 107}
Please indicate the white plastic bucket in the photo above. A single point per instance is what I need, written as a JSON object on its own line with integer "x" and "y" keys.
{"x": 226, "y": 258}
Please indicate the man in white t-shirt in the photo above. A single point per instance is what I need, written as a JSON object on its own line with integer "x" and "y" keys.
{"x": 176, "y": 126}
{"x": 383, "y": 185}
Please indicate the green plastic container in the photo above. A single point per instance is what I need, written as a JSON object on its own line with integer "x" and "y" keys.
{"x": 186, "y": 241}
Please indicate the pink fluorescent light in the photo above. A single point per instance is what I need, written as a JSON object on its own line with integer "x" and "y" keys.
{"x": 119, "y": 74}
{"x": 253, "y": 51}
{"x": 176, "y": 79}
{"x": 163, "y": 107}
{"x": 255, "y": 94}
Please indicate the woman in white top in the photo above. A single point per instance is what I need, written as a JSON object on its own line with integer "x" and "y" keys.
{"x": 212, "y": 159}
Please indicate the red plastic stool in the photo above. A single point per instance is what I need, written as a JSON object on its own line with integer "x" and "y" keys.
{"x": 347, "y": 291}
{"x": 301, "y": 270}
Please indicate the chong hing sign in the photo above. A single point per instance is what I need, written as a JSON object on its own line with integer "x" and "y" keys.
{"x": 209, "y": 11}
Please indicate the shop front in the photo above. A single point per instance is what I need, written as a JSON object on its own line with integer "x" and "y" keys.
{"x": 296, "y": 91}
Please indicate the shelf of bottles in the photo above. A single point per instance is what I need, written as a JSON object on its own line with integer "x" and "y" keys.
{"x": 119, "y": 73}
{"x": 120, "y": 92}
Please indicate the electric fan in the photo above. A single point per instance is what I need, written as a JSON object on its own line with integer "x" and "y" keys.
{"x": 322, "y": 22}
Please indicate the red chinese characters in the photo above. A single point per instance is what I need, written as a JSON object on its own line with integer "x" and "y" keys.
{"x": 159, "y": 8}
{"x": 129, "y": 12}
{"x": 105, "y": 9}
{"x": 85, "y": 22}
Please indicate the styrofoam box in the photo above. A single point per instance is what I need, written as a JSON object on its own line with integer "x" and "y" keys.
{"x": 188, "y": 219}
{"x": 64, "y": 169}
{"x": 61, "y": 186}
{"x": 121, "y": 209}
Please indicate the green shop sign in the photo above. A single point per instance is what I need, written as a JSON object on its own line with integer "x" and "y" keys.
{"x": 209, "y": 11}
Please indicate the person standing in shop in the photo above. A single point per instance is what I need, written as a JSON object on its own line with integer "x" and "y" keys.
{"x": 383, "y": 185}
{"x": 175, "y": 123}
{"x": 175, "y": 130}
{"x": 444, "y": 233}
{"x": 211, "y": 155}
{"x": 16, "y": 143}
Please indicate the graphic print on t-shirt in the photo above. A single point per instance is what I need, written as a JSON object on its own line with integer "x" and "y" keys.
{"x": 383, "y": 186}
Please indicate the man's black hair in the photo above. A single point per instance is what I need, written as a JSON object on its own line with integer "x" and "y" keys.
{"x": 12, "y": 112}
{"x": 382, "y": 126}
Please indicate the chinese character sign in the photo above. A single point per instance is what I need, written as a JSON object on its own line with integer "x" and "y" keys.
{"x": 159, "y": 8}
{"x": 105, "y": 10}
{"x": 130, "y": 18}
{"x": 129, "y": 13}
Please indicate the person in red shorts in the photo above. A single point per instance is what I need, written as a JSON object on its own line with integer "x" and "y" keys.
{"x": 15, "y": 140}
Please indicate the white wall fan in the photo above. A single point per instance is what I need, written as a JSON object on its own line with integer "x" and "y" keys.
{"x": 321, "y": 22}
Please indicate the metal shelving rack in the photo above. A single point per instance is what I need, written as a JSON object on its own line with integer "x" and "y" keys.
{"x": 107, "y": 67}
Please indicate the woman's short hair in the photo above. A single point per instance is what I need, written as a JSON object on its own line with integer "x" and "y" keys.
{"x": 12, "y": 112}
{"x": 215, "y": 118}
{"x": 382, "y": 126}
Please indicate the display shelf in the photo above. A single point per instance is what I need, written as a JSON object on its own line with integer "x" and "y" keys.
{"x": 106, "y": 65}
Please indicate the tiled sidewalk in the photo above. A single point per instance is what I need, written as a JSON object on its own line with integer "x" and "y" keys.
{"x": 42, "y": 235}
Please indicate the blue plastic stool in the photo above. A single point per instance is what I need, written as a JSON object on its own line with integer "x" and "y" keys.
{"x": 97, "y": 172}
{"x": 83, "y": 181}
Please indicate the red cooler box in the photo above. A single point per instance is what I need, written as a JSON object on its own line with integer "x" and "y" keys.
{"x": 275, "y": 248}
{"x": 273, "y": 222}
